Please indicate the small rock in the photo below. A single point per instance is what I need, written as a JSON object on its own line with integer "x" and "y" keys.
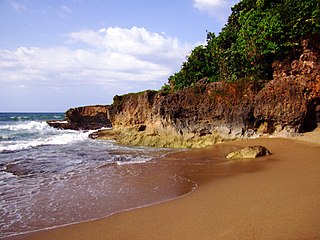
{"x": 16, "y": 169}
{"x": 249, "y": 152}
{"x": 142, "y": 128}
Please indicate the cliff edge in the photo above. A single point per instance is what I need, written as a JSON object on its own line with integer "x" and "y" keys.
{"x": 209, "y": 113}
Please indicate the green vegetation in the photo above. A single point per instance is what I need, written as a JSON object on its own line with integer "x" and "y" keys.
{"x": 258, "y": 32}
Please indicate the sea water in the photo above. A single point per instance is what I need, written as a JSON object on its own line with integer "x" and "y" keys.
{"x": 51, "y": 177}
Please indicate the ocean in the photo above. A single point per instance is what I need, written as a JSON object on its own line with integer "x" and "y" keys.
{"x": 51, "y": 177}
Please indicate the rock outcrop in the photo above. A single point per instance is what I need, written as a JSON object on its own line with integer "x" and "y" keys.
{"x": 85, "y": 118}
{"x": 249, "y": 152}
{"x": 209, "y": 113}
{"x": 290, "y": 102}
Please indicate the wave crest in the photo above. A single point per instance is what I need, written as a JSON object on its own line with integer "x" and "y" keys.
{"x": 33, "y": 134}
{"x": 32, "y": 125}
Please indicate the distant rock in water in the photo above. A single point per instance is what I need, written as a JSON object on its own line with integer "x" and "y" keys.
{"x": 249, "y": 152}
{"x": 85, "y": 118}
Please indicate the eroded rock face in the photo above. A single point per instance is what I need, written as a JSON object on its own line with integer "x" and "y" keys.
{"x": 218, "y": 111}
{"x": 291, "y": 102}
{"x": 194, "y": 117}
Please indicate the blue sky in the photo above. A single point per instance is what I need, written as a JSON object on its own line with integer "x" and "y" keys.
{"x": 60, "y": 54}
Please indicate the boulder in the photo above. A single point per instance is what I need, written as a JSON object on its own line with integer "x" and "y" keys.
{"x": 249, "y": 152}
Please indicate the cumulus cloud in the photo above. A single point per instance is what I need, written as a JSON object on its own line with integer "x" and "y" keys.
{"x": 116, "y": 58}
{"x": 136, "y": 42}
{"x": 219, "y": 9}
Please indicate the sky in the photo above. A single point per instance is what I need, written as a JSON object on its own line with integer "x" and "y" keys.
{"x": 59, "y": 54}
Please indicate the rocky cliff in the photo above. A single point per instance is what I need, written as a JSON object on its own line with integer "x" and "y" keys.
{"x": 214, "y": 112}
{"x": 291, "y": 101}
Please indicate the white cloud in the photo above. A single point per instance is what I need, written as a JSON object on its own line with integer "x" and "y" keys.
{"x": 116, "y": 58}
{"x": 219, "y": 9}
{"x": 202, "y": 4}
{"x": 65, "y": 9}
{"x": 138, "y": 43}
{"x": 18, "y": 7}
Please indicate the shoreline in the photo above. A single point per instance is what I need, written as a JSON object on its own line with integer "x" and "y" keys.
{"x": 23, "y": 235}
{"x": 140, "y": 223}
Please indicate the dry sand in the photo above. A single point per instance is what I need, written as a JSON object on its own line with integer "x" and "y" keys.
{"x": 279, "y": 199}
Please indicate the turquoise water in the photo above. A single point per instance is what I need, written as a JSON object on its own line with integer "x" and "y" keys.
{"x": 51, "y": 177}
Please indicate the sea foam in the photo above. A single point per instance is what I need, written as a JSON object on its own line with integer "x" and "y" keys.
{"x": 32, "y": 134}
{"x": 32, "y": 125}
{"x": 62, "y": 173}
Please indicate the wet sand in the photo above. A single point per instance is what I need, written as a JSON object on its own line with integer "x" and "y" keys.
{"x": 274, "y": 197}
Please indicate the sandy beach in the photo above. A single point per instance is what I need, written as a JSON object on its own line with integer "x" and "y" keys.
{"x": 273, "y": 197}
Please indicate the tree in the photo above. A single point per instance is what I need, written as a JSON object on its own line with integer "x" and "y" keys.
{"x": 198, "y": 65}
{"x": 258, "y": 32}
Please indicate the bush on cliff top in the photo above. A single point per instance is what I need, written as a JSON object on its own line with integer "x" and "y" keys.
{"x": 118, "y": 100}
{"x": 258, "y": 32}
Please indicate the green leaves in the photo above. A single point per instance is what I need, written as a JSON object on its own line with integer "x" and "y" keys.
{"x": 257, "y": 33}
{"x": 258, "y": 40}
{"x": 199, "y": 64}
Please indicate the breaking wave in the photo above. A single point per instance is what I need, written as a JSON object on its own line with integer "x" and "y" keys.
{"x": 26, "y": 135}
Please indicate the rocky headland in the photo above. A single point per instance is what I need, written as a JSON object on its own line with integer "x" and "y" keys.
{"x": 208, "y": 113}
{"x": 84, "y": 118}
